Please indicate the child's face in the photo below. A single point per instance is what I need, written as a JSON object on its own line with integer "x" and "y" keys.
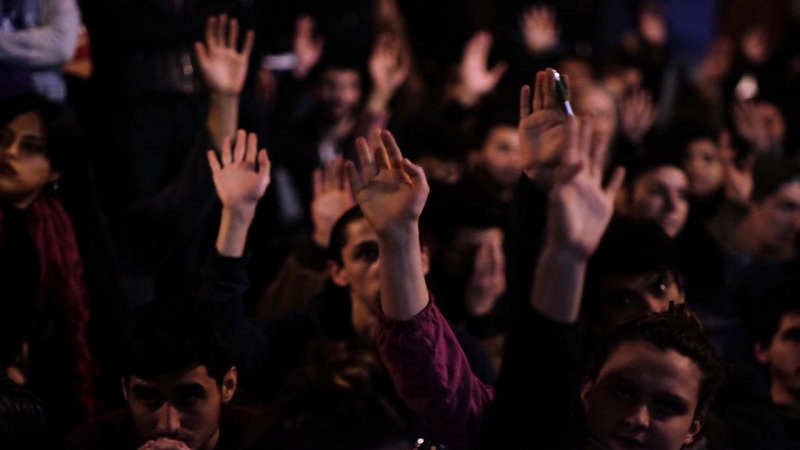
{"x": 704, "y": 167}
{"x": 643, "y": 397}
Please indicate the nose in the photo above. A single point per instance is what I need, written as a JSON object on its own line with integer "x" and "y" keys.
{"x": 639, "y": 417}
{"x": 168, "y": 420}
{"x": 11, "y": 150}
{"x": 670, "y": 202}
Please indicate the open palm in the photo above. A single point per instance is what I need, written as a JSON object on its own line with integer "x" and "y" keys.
{"x": 391, "y": 190}
{"x": 240, "y": 176}
{"x": 224, "y": 68}
{"x": 542, "y": 124}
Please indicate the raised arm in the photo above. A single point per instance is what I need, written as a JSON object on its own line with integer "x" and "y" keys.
{"x": 48, "y": 45}
{"x": 241, "y": 177}
{"x": 391, "y": 191}
{"x": 224, "y": 69}
{"x": 427, "y": 365}
{"x": 579, "y": 211}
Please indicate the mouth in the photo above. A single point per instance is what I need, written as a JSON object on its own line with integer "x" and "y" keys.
{"x": 625, "y": 442}
{"x": 6, "y": 169}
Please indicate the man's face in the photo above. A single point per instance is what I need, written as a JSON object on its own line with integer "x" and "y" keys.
{"x": 501, "y": 155}
{"x": 661, "y": 195}
{"x": 782, "y": 358}
{"x": 360, "y": 268}
{"x": 643, "y": 397}
{"x": 777, "y": 218}
{"x": 620, "y": 297}
{"x": 704, "y": 167}
{"x": 182, "y": 406}
{"x": 340, "y": 92}
{"x": 772, "y": 120}
{"x": 602, "y": 108}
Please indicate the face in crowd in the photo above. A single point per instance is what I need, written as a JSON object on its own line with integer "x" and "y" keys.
{"x": 659, "y": 194}
{"x": 703, "y": 166}
{"x": 25, "y": 168}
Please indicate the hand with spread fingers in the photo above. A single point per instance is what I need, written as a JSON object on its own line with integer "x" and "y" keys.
{"x": 542, "y": 125}
{"x": 476, "y": 79}
{"x": 580, "y": 206}
{"x": 224, "y": 67}
{"x": 332, "y": 198}
{"x": 391, "y": 190}
{"x": 241, "y": 175}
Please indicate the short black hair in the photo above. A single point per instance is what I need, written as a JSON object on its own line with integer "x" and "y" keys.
{"x": 771, "y": 172}
{"x": 675, "y": 329}
{"x": 164, "y": 337}
{"x": 23, "y": 422}
{"x": 339, "y": 233}
{"x": 781, "y": 299}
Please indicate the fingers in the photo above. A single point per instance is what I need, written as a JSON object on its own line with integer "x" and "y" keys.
{"x": 239, "y": 147}
{"x": 549, "y": 95}
{"x": 415, "y": 173}
{"x": 249, "y": 41}
{"x": 211, "y": 31}
{"x": 219, "y": 30}
{"x": 233, "y": 33}
{"x": 226, "y": 156}
{"x": 394, "y": 156}
{"x": 538, "y": 90}
{"x": 264, "y": 164}
{"x": 379, "y": 151}
{"x": 202, "y": 53}
{"x": 252, "y": 148}
{"x": 355, "y": 182}
{"x": 213, "y": 161}
{"x": 368, "y": 169}
{"x": 498, "y": 71}
{"x": 524, "y": 101}
{"x": 615, "y": 182}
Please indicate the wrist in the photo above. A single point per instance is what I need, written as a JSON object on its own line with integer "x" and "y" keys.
{"x": 565, "y": 254}
{"x": 398, "y": 236}
{"x": 466, "y": 97}
{"x": 238, "y": 214}
{"x": 321, "y": 238}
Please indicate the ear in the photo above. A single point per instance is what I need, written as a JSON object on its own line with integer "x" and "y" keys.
{"x": 694, "y": 428}
{"x": 761, "y": 352}
{"x": 123, "y": 382}
{"x": 229, "y": 382}
{"x": 426, "y": 259}
{"x": 586, "y": 393}
{"x": 54, "y": 176}
{"x": 338, "y": 274}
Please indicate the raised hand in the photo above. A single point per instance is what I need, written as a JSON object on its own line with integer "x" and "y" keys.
{"x": 307, "y": 47}
{"x": 738, "y": 181}
{"x": 539, "y": 28}
{"x": 542, "y": 126}
{"x": 223, "y": 66}
{"x": 638, "y": 115}
{"x": 391, "y": 190}
{"x": 580, "y": 207}
{"x": 389, "y": 67}
{"x": 475, "y": 77}
{"x": 241, "y": 175}
{"x": 332, "y": 198}
{"x": 488, "y": 280}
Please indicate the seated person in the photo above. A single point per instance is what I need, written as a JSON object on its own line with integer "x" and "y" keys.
{"x": 656, "y": 188}
{"x": 270, "y": 353}
{"x": 178, "y": 381}
{"x": 776, "y": 347}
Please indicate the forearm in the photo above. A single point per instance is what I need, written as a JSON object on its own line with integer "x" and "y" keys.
{"x": 233, "y": 227}
{"x": 403, "y": 290}
{"x": 558, "y": 285}
{"x": 223, "y": 116}
{"x": 49, "y": 45}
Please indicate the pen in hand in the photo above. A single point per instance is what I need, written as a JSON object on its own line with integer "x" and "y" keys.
{"x": 562, "y": 91}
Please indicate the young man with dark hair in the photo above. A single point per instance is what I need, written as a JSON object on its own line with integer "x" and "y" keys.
{"x": 179, "y": 376}
{"x": 777, "y": 347}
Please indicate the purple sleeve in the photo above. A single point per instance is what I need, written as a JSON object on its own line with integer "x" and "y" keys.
{"x": 433, "y": 377}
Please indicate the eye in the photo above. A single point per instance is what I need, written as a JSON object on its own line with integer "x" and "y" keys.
{"x": 150, "y": 400}
{"x": 623, "y": 392}
{"x": 367, "y": 252}
{"x": 31, "y": 146}
{"x": 668, "y": 408}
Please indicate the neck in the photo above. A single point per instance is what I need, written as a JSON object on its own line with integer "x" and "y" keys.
{"x": 364, "y": 318}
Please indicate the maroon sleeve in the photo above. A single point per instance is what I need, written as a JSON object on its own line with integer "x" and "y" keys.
{"x": 433, "y": 376}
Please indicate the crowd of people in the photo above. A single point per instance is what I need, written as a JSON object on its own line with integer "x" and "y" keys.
{"x": 388, "y": 224}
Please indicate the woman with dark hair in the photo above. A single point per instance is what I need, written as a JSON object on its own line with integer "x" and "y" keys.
{"x": 46, "y": 209}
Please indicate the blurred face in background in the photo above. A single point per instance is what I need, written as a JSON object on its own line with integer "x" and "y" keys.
{"x": 661, "y": 194}
{"x": 25, "y": 169}
{"x": 598, "y": 103}
{"x": 704, "y": 167}
{"x": 501, "y": 156}
{"x": 340, "y": 92}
